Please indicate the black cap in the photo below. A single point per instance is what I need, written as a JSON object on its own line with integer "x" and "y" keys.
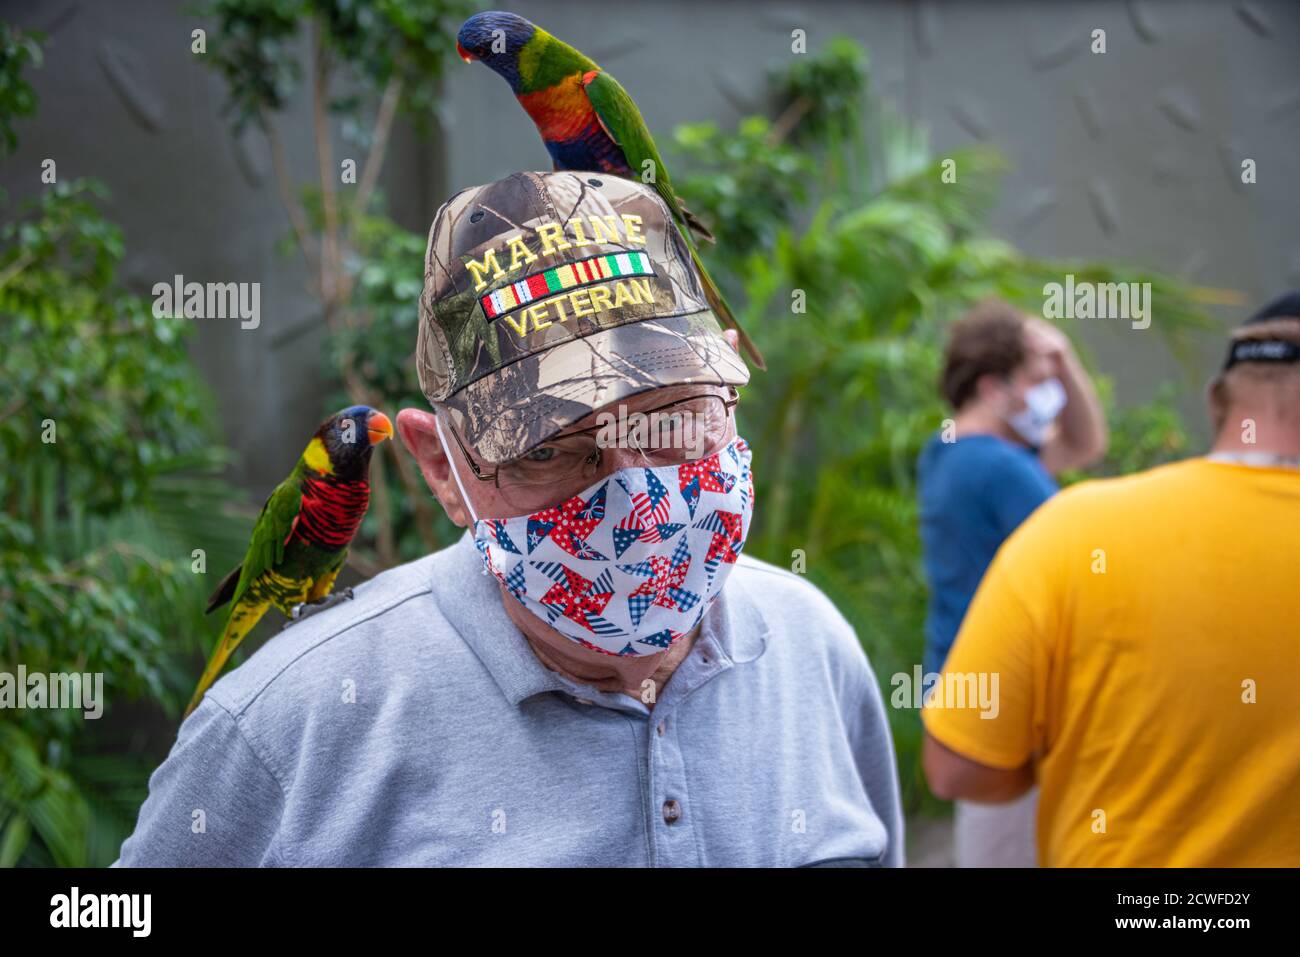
{"x": 1285, "y": 306}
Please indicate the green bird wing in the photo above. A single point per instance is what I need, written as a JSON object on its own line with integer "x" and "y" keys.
{"x": 622, "y": 120}
{"x": 278, "y": 518}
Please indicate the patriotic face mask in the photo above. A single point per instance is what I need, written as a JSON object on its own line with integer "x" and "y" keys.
{"x": 632, "y": 563}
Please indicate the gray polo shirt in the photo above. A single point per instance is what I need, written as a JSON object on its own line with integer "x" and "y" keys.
{"x": 413, "y": 725}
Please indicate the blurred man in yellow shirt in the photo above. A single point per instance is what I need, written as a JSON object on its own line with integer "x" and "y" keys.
{"x": 1143, "y": 637}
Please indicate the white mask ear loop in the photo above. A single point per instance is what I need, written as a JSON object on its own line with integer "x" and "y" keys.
{"x": 451, "y": 461}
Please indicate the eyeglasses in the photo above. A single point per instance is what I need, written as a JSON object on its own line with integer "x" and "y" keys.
{"x": 675, "y": 433}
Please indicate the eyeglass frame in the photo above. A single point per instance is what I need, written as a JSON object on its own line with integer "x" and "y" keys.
{"x": 729, "y": 403}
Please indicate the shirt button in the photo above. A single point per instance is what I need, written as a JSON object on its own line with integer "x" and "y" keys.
{"x": 660, "y": 729}
{"x": 672, "y": 811}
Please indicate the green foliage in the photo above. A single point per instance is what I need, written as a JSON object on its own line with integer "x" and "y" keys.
{"x": 255, "y": 48}
{"x": 826, "y": 90}
{"x": 17, "y": 99}
{"x": 248, "y": 49}
{"x": 1142, "y": 436}
{"x": 102, "y": 430}
{"x": 847, "y": 278}
{"x": 753, "y": 184}
{"x": 112, "y": 379}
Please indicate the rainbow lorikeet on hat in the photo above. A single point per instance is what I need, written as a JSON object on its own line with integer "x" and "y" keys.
{"x": 302, "y": 536}
{"x": 586, "y": 119}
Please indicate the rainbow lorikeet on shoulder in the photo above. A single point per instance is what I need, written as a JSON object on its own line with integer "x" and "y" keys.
{"x": 586, "y": 119}
{"x": 301, "y": 539}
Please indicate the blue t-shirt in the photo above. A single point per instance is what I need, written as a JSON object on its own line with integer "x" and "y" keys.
{"x": 973, "y": 493}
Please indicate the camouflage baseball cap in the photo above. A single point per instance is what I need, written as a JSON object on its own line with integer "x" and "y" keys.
{"x": 549, "y": 295}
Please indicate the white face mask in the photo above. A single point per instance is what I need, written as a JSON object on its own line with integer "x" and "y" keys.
{"x": 1043, "y": 403}
{"x": 630, "y": 564}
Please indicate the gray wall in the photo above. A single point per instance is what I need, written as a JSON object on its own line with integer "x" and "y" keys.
{"x": 1129, "y": 156}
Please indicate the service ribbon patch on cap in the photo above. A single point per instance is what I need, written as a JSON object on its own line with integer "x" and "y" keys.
{"x": 568, "y": 276}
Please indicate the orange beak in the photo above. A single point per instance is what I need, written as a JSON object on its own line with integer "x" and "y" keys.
{"x": 378, "y": 428}
{"x": 464, "y": 54}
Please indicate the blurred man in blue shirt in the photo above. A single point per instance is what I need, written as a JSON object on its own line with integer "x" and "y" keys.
{"x": 1025, "y": 410}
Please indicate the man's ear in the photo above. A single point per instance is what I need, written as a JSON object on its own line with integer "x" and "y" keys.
{"x": 419, "y": 431}
{"x": 1216, "y": 401}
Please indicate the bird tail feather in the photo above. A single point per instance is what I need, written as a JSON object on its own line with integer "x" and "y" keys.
{"x": 225, "y": 591}
{"x": 722, "y": 310}
{"x": 695, "y": 224}
{"x": 243, "y": 617}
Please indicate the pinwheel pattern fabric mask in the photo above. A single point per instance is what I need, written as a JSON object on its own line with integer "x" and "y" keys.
{"x": 632, "y": 563}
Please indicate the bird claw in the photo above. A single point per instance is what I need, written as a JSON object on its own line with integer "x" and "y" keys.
{"x": 307, "y": 609}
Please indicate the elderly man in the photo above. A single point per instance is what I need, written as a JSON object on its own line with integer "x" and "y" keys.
{"x": 594, "y": 674}
{"x": 1143, "y": 633}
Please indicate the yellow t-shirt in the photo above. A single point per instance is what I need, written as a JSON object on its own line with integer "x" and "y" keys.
{"x": 1145, "y": 634}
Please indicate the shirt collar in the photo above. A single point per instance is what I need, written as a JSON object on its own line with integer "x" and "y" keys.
{"x": 733, "y": 631}
{"x": 1259, "y": 459}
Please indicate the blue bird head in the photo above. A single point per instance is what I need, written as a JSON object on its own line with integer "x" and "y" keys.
{"x": 496, "y": 37}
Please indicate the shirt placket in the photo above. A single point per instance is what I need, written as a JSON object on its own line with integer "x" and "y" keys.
{"x": 671, "y": 816}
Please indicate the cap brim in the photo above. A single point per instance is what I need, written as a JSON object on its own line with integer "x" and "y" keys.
{"x": 507, "y": 412}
